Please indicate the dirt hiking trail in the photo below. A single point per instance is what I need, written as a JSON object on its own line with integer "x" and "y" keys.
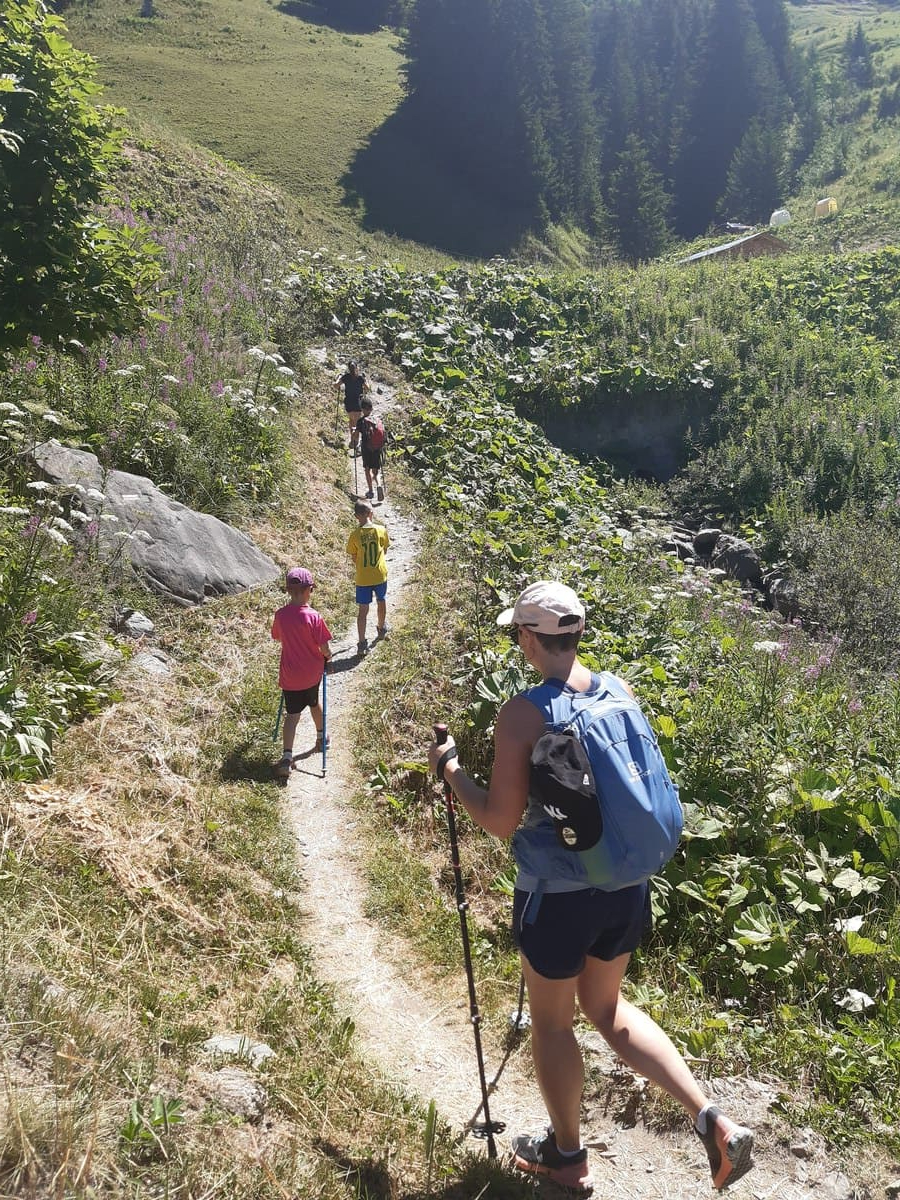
{"x": 417, "y": 1030}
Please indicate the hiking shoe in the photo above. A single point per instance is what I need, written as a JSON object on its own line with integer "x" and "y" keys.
{"x": 362, "y": 648}
{"x": 539, "y": 1155}
{"x": 283, "y": 767}
{"x": 370, "y": 495}
{"x": 729, "y": 1147}
{"x": 380, "y": 493}
{"x": 327, "y": 745}
{"x": 382, "y": 631}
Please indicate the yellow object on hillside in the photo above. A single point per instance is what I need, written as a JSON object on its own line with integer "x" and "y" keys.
{"x": 827, "y": 207}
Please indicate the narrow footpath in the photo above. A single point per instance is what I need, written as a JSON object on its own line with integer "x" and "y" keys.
{"x": 421, "y": 1036}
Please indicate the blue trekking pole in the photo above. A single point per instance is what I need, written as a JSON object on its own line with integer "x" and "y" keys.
{"x": 324, "y": 717}
{"x": 278, "y": 718}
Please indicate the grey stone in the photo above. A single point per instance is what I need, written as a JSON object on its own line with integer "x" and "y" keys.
{"x": 705, "y": 541}
{"x": 153, "y": 662}
{"x": 738, "y": 558}
{"x": 135, "y": 624}
{"x": 806, "y": 1144}
{"x": 239, "y": 1045}
{"x": 184, "y": 555}
{"x": 239, "y": 1093}
{"x": 836, "y": 1186}
{"x": 782, "y": 595}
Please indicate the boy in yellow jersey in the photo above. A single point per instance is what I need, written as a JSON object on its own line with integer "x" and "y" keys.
{"x": 366, "y": 546}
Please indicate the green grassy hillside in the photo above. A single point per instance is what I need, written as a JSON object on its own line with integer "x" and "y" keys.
{"x": 290, "y": 100}
{"x": 317, "y": 111}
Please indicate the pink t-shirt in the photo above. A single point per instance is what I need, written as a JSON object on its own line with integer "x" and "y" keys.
{"x": 301, "y": 632}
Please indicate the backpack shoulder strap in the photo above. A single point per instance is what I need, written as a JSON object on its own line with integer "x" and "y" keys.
{"x": 560, "y": 703}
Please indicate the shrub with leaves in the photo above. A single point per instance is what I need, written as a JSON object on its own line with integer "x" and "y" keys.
{"x": 63, "y": 271}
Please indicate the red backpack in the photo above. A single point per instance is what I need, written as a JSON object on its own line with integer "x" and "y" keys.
{"x": 373, "y": 433}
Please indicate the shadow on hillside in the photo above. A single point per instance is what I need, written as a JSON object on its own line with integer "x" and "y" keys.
{"x": 314, "y": 14}
{"x": 244, "y": 762}
{"x": 403, "y": 183}
{"x": 371, "y": 1178}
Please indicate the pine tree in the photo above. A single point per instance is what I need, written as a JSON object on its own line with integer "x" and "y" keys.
{"x": 638, "y": 204}
{"x": 755, "y": 181}
{"x": 737, "y": 82}
{"x": 858, "y": 58}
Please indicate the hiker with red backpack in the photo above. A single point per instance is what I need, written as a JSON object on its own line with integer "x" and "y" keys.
{"x": 567, "y": 754}
{"x": 369, "y": 433}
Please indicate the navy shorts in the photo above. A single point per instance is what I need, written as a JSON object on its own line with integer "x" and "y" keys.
{"x": 569, "y": 926}
{"x": 295, "y": 702}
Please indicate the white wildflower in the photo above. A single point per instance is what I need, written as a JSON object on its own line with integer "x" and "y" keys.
{"x": 286, "y": 371}
{"x": 77, "y": 515}
{"x": 48, "y": 579}
{"x": 60, "y": 523}
{"x": 849, "y": 924}
{"x": 39, "y": 485}
{"x": 171, "y": 379}
{"x": 767, "y": 647}
{"x": 94, "y": 494}
{"x": 256, "y": 352}
{"x": 853, "y": 1000}
{"x": 12, "y": 409}
{"x": 108, "y": 517}
{"x": 123, "y": 534}
{"x": 14, "y": 510}
{"x": 55, "y": 535}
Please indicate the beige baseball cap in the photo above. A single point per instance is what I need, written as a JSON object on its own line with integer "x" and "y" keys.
{"x": 546, "y": 607}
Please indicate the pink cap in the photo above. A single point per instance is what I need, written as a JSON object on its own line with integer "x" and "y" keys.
{"x": 299, "y": 576}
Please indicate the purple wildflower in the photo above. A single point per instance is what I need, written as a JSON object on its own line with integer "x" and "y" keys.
{"x": 30, "y": 617}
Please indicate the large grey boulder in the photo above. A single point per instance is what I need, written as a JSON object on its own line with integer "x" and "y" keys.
{"x": 738, "y": 559}
{"x": 185, "y": 555}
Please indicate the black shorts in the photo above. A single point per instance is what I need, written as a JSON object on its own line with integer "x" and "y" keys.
{"x": 352, "y": 406}
{"x": 569, "y": 926}
{"x": 372, "y": 459}
{"x": 295, "y": 702}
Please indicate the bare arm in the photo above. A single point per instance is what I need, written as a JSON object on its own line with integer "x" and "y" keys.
{"x": 498, "y": 808}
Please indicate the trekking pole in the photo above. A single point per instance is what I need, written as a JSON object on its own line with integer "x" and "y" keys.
{"x": 278, "y": 718}
{"x": 356, "y": 470}
{"x": 486, "y": 1128}
{"x": 324, "y": 717}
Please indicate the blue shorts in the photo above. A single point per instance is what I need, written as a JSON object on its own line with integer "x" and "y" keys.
{"x": 365, "y": 592}
{"x": 569, "y": 926}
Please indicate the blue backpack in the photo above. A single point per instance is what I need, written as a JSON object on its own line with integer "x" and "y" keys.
{"x": 598, "y": 775}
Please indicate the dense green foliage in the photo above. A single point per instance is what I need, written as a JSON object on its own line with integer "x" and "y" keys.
{"x": 781, "y": 906}
{"x": 792, "y": 362}
{"x": 63, "y": 271}
{"x": 194, "y": 399}
{"x": 557, "y": 90}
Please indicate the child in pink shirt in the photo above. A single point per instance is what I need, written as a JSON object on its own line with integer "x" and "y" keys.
{"x": 305, "y": 652}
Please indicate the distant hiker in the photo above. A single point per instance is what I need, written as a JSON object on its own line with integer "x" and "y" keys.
{"x": 355, "y": 387}
{"x": 574, "y": 940}
{"x": 305, "y": 654}
{"x": 366, "y": 546}
{"x": 369, "y": 433}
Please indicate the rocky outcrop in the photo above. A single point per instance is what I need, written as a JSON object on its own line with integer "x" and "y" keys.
{"x": 186, "y": 556}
